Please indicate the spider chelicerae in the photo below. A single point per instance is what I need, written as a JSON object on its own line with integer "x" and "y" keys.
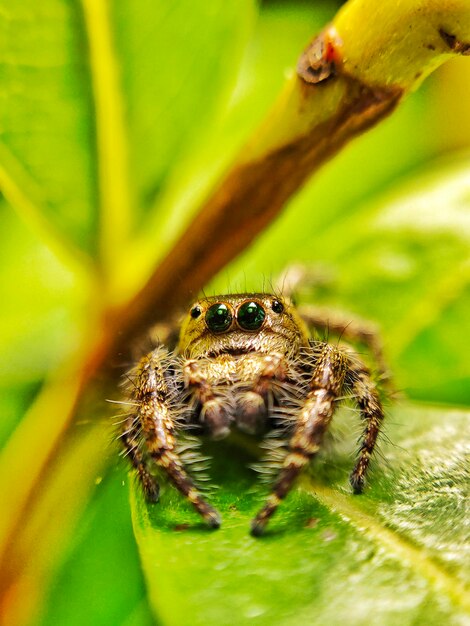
{"x": 248, "y": 361}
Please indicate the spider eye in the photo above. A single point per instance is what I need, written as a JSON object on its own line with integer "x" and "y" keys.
{"x": 195, "y": 312}
{"x": 277, "y": 306}
{"x": 218, "y": 318}
{"x": 251, "y": 316}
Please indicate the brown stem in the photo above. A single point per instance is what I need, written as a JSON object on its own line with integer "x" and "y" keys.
{"x": 249, "y": 198}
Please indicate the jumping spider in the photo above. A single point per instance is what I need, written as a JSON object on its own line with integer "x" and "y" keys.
{"x": 247, "y": 361}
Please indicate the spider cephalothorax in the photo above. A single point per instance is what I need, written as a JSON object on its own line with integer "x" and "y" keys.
{"x": 244, "y": 361}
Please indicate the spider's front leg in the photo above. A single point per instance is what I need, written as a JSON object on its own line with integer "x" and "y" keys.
{"x": 155, "y": 395}
{"x": 249, "y": 407}
{"x": 328, "y": 375}
{"x": 216, "y": 411}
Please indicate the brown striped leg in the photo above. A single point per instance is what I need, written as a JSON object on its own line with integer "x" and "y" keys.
{"x": 369, "y": 403}
{"x": 329, "y": 369}
{"x": 151, "y": 391}
{"x": 130, "y": 440}
{"x": 349, "y": 329}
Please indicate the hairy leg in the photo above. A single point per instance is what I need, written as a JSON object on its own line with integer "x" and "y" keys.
{"x": 329, "y": 367}
{"x": 334, "y": 321}
{"x": 156, "y": 396}
{"x": 131, "y": 440}
{"x": 354, "y": 330}
{"x": 368, "y": 400}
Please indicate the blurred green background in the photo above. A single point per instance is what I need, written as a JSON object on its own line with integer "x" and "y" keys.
{"x": 384, "y": 228}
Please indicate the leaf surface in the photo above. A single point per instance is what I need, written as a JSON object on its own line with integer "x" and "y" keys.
{"x": 99, "y": 100}
{"x": 46, "y": 144}
{"x": 398, "y": 552}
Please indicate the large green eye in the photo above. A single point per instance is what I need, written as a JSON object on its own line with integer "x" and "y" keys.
{"x": 218, "y": 318}
{"x": 251, "y": 316}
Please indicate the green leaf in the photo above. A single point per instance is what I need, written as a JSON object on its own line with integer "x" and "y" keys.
{"x": 39, "y": 299}
{"x": 46, "y": 144}
{"x": 182, "y": 58}
{"x": 99, "y": 100}
{"x": 412, "y": 247}
{"x": 399, "y": 552}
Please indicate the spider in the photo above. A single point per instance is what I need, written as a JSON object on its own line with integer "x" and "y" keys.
{"x": 247, "y": 361}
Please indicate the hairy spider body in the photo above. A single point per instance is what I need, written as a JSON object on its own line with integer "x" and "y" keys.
{"x": 246, "y": 361}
